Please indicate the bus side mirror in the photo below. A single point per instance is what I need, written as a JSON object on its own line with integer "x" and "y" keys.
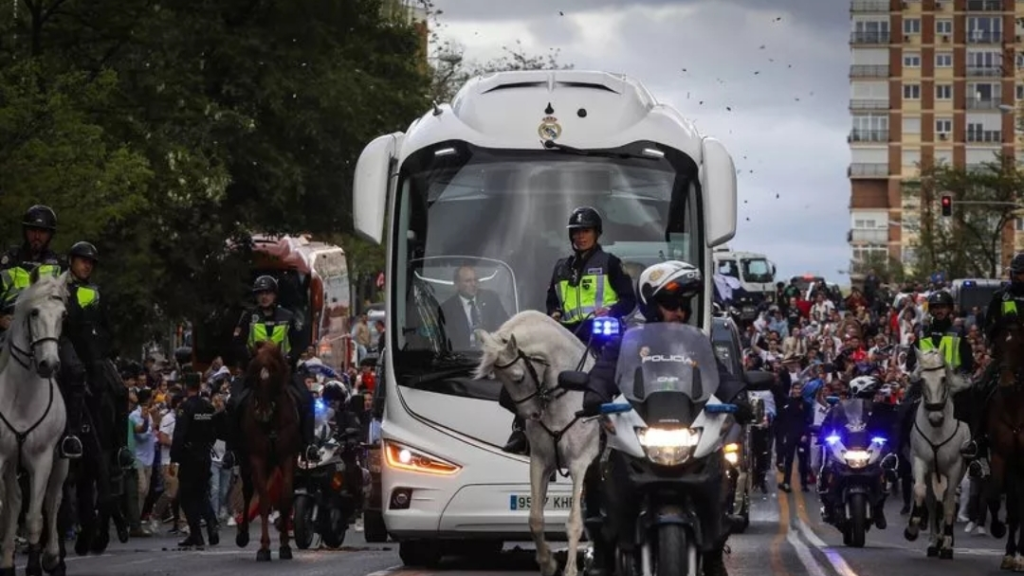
{"x": 718, "y": 187}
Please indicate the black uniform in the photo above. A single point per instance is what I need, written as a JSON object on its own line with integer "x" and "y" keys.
{"x": 579, "y": 265}
{"x": 195, "y": 431}
{"x": 710, "y": 506}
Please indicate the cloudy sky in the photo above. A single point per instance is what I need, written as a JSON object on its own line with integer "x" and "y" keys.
{"x": 781, "y": 66}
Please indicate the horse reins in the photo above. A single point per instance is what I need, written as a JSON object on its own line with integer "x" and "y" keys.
{"x": 26, "y": 363}
{"x": 545, "y": 395}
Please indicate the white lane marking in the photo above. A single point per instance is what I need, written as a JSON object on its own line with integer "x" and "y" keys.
{"x": 833, "y": 556}
{"x": 811, "y": 564}
{"x": 386, "y": 571}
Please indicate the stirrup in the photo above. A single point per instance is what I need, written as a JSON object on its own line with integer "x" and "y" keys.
{"x": 70, "y": 441}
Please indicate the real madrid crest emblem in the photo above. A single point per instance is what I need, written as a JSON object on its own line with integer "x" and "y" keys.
{"x": 656, "y": 275}
{"x": 645, "y": 352}
{"x": 549, "y": 128}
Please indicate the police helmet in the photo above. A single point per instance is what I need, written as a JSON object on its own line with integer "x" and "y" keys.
{"x": 940, "y": 298}
{"x": 671, "y": 284}
{"x": 333, "y": 391}
{"x": 84, "y": 250}
{"x": 1017, "y": 264}
{"x": 864, "y": 387}
{"x": 583, "y": 218}
{"x": 41, "y": 217}
{"x": 265, "y": 284}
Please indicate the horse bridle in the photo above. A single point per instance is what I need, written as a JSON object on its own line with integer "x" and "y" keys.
{"x": 541, "y": 390}
{"x": 941, "y": 404}
{"x": 26, "y": 357}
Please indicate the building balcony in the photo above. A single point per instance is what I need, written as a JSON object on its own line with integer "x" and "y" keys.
{"x": 868, "y": 170}
{"x": 986, "y": 136}
{"x": 869, "y": 71}
{"x": 984, "y": 37}
{"x": 868, "y": 136}
{"x": 984, "y": 103}
{"x": 984, "y": 5}
{"x": 861, "y": 6}
{"x": 869, "y": 38}
{"x": 869, "y": 104}
{"x": 868, "y": 236}
{"x": 984, "y": 72}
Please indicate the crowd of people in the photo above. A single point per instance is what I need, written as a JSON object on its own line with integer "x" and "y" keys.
{"x": 818, "y": 344}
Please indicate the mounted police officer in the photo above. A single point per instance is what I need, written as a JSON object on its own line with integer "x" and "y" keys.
{"x": 940, "y": 334}
{"x": 271, "y": 322}
{"x": 1007, "y": 303}
{"x": 195, "y": 432}
{"x": 38, "y": 226}
{"x": 587, "y": 284}
{"x": 88, "y": 376}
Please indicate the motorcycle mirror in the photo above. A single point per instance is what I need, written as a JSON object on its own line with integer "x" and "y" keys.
{"x": 759, "y": 380}
{"x": 573, "y": 381}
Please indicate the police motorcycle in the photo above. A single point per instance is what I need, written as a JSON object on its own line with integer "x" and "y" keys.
{"x": 857, "y": 465}
{"x": 739, "y": 456}
{"x": 665, "y": 434}
{"x": 325, "y": 502}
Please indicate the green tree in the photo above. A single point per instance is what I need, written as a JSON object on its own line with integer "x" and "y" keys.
{"x": 985, "y": 200}
{"x": 889, "y": 270}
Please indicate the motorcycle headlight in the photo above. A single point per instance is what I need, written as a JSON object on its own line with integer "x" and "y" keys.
{"x": 732, "y": 453}
{"x": 856, "y": 458}
{"x": 668, "y": 446}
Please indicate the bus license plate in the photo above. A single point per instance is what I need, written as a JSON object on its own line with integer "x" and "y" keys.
{"x": 517, "y": 502}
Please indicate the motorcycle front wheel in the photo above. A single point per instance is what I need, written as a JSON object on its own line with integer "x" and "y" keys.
{"x": 673, "y": 550}
{"x": 303, "y": 520}
{"x": 334, "y": 535}
{"x": 858, "y": 524}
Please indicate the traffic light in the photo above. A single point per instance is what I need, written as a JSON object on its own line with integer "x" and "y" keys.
{"x": 947, "y": 205}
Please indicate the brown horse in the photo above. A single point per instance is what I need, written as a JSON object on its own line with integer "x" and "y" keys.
{"x": 270, "y": 425}
{"x": 1005, "y": 428}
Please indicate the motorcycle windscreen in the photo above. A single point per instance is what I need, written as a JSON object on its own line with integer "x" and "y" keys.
{"x": 668, "y": 368}
{"x": 851, "y": 420}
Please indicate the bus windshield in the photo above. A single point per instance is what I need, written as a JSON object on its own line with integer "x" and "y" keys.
{"x": 492, "y": 222}
{"x": 757, "y": 270}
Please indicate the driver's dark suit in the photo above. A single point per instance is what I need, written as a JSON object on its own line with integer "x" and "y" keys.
{"x": 623, "y": 511}
{"x": 882, "y": 421}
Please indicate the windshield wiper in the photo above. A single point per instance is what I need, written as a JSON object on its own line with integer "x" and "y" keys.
{"x": 556, "y": 147}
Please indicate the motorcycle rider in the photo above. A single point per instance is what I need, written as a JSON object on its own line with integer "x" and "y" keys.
{"x": 270, "y": 322}
{"x": 879, "y": 421}
{"x": 589, "y": 283}
{"x": 665, "y": 291}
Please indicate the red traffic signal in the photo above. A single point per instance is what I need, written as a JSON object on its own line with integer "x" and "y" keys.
{"x": 947, "y": 205}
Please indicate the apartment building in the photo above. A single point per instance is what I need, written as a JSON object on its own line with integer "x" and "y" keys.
{"x": 930, "y": 81}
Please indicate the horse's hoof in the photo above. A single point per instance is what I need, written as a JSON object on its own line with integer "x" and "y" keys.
{"x": 242, "y": 539}
{"x": 54, "y": 566}
{"x": 122, "y": 532}
{"x": 263, "y": 555}
{"x": 946, "y": 554}
{"x": 100, "y": 543}
{"x": 83, "y": 543}
{"x": 910, "y": 535}
{"x": 997, "y": 529}
{"x": 285, "y": 553}
{"x": 933, "y": 551}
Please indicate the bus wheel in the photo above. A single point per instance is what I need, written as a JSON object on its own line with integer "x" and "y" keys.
{"x": 420, "y": 553}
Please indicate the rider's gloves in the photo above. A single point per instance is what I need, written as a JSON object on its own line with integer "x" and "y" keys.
{"x": 744, "y": 411}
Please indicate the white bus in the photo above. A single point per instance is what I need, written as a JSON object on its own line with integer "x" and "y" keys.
{"x": 489, "y": 182}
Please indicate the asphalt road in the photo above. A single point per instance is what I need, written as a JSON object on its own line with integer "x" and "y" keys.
{"x": 786, "y": 538}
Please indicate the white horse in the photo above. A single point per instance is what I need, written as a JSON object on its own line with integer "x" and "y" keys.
{"x": 32, "y": 419}
{"x": 935, "y": 442}
{"x": 526, "y": 354}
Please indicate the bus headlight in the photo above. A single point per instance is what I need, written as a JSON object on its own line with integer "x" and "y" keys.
{"x": 732, "y": 453}
{"x": 668, "y": 446}
{"x": 402, "y": 457}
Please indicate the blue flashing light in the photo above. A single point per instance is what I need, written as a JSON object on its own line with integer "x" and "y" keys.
{"x": 968, "y": 283}
{"x": 720, "y": 408}
{"x": 605, "y": 327}
{"x": 879, "y": 440}
{"x": 320, "y": 406}
{"x": 833, "y": 439}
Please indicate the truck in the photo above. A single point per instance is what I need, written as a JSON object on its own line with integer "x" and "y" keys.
{"x": 488, "y": 182}
{"x": 971, "y": 293}
{"x": 756, "y": 274}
